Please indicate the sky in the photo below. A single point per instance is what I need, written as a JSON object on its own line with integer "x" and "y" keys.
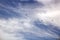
{"x": 29, "y": 19}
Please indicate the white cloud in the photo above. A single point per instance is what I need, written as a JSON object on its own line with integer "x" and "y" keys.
{"x": 44, "y": 1}
{"x": 8, "y": 29}
{"x": 50, "y": 15}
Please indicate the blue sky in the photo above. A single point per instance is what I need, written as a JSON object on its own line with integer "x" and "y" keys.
{"x": 29, "y": 20}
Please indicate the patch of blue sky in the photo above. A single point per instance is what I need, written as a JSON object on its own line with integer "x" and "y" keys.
{"x": 8, "y": 14}
{"x": 12, "y": 3}
{"x": 9, "y": 2}
{"x": 15, "y": 3}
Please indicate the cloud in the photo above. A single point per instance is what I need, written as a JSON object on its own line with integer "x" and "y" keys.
{"x": 44, "y": 1}
{"x": 25, "y": 27}
{"x": 51, "y": 15}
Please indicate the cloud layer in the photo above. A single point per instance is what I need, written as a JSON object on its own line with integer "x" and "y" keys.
{"x": 38, "y": 20}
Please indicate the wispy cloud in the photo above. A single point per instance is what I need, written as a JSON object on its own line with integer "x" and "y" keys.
{"x": 25, "y": 26}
